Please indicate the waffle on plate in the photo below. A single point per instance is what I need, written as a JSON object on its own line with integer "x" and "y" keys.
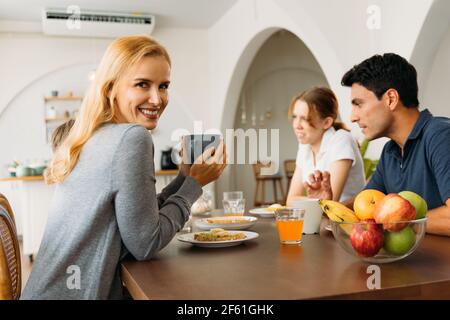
{"x": 218, "y": 234}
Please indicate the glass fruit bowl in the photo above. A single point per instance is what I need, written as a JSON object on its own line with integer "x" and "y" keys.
{"x": 377, "y": 242}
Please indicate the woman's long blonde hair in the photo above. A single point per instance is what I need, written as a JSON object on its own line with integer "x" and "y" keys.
{"x": 99, "y": 104}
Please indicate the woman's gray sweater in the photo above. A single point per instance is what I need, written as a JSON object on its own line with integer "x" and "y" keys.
{"x": 106, "y": 208}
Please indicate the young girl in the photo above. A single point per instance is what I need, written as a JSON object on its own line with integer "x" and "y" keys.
{"x": 61, "y": 133}
{"x": 105, "y": 205}
{"x": 324, "y": 145}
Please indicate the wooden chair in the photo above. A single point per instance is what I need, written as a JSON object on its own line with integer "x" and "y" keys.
{"x": 5, "y": 204}
{"x": 10, "y": 265}
{"x": 289, "y": 168}
{"x": 260, "y": 185}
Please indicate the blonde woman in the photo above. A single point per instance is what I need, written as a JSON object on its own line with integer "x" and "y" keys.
{"x": 105, "y": 205}
{"x": 325, "y": 145}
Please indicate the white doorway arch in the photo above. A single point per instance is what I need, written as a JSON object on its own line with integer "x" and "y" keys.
{"x": 329, "y": 63}
{"x": 332, "y": 74}
{"x": 434, "y": 31}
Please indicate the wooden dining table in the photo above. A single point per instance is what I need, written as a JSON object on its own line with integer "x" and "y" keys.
{"x": 264, "y": 269}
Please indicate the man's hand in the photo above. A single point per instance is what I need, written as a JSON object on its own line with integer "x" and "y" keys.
{"x": 439, "y": 220}
{"x": 318, "y": 185}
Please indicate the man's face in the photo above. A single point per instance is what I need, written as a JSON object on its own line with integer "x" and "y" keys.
{"x": 372, "y": 115}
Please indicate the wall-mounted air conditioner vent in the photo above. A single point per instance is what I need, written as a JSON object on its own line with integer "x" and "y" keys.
{"x": 81, "y": 23}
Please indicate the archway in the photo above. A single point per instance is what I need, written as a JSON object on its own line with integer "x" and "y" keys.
{"x": 430, "y": 57}
{"x": 279, "y": 67}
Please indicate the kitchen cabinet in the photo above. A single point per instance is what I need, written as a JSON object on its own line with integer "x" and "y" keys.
{"x": 30, "y": 199}
{"x": 11, "y": 191}
{"x": 163, "y": 178}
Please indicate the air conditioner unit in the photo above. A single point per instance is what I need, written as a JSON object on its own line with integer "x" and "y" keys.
{"x": 80, "y": 23}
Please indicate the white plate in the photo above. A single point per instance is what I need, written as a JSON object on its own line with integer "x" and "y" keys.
{"x": 204, "y": 213}
{"x": 262, "y": 212}
{"x": 205, "y": 225}
{"x": 189, "y": 238}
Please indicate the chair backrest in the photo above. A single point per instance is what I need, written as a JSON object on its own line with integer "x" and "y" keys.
{"x": 289, "y": 167}
{"x": 10, "y": 264}
{"x": 257, "y": 168}
{"x": 5, "y": 204}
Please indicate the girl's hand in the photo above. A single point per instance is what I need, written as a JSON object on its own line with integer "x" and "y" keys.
{"x": 318, "y": 185}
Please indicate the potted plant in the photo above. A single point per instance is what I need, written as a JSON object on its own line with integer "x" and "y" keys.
{"x": 369, "y": 164}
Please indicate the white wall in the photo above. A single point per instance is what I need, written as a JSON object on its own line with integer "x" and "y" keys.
{"x": 437, "y": 93}
{"x": 429, "y": 39}
{"x": 27, "y": 57}
{"x": 344, "y": 24}
{"x": 34, "y": 65}
{"x": 23, "y": 121}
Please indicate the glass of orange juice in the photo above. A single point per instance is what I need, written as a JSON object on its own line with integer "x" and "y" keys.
{"x": 289, "y": 222}
{"x": 234, "y": 207}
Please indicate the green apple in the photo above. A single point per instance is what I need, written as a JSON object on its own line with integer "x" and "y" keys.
{"x": 417, "y": 201}
{"x": 400, "y": 242}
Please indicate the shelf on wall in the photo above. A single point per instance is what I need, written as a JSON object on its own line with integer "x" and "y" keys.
{"x": 68, "y": 98}
{"x": 58, "y": 116}
{"x": 57, "y": 119}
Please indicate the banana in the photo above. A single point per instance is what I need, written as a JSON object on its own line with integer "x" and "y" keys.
{"x": 337, "y": 211}
{"x": 332, "y": 216}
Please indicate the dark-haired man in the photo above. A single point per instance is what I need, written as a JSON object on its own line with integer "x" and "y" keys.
{"x": 384, "y": 104}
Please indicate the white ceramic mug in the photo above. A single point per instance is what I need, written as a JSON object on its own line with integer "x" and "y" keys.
{"x": 313, "y": 214}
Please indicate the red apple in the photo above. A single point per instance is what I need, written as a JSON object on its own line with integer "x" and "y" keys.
{"x": 367, "y": 238}
{"x": 394, "y": 208}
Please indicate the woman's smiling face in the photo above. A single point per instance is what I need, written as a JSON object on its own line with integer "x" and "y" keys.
{"x": 142, "y": 93}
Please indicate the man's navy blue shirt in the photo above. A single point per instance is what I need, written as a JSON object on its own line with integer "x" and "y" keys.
{"x": 425, "y": 165}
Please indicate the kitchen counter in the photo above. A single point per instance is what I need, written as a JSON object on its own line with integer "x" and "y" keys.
{"x": 166, "y": 172}
{"x": 30, "y": 178}
{"x": 35, "y": 178}
{"x": 30, "y": 198}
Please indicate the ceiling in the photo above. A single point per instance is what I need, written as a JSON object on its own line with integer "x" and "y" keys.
{"x": 169, "y": 13}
